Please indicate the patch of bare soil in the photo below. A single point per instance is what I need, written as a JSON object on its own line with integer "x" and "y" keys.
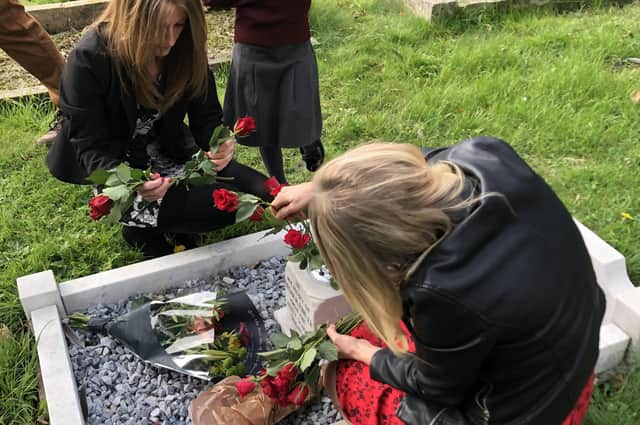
{"x": 219, "y": 43}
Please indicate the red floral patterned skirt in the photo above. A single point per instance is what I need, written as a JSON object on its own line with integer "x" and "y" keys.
{"x": 368, "y": 402}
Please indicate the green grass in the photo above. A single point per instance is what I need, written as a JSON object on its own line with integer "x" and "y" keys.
{"x": 553, "y": 83}
{"x": 39, "y": 2}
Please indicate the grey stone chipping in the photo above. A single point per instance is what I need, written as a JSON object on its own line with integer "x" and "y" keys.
{"x": 121, "y": 389}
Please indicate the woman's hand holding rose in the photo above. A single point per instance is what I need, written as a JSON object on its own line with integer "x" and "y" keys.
{"x": 223, "y": 155}
{"x": 155, "y": 189}
{"x": 352, "y": 348}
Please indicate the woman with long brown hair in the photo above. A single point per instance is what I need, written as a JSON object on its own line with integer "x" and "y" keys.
{"x": 478, "y": 295}
{"x": 126, "y": 89}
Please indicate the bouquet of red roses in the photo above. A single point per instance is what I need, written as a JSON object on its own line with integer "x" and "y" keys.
{"x": 119, "y": 185}
{"x": 292, "y": 372}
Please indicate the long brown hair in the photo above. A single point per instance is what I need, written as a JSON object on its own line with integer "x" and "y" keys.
{"x": 133, "y": 27}
{"x": 376, "y": 210}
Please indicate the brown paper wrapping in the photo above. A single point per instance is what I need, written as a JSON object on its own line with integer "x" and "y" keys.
{"x": 222, "y": 405}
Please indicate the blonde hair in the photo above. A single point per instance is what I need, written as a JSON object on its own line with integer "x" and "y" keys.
{"x": 133, "y": 27}
{"x": 377, "y": 210}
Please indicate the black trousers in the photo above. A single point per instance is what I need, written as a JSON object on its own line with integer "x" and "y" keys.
{"x": 190, "y": 211}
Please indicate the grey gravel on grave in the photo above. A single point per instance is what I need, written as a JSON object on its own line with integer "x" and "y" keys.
{"x": 121, "y": 389}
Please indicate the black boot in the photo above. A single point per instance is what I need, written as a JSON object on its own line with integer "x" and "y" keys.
{"x": 149, "y": 241}
{"x": 313, "y": 155}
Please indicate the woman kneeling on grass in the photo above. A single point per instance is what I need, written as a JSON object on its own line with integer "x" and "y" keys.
{"x": 126, "y": 89}
{"x": 471, "y": 273}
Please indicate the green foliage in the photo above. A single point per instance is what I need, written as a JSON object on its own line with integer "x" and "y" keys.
{"x": 617, "y": 401}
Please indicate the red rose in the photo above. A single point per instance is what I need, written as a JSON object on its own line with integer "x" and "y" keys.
{"x": 281, "y": 385}
{"x": 245, "y": 386}
{"x": 99, "y": 206}
{"x": 288, "y": 372}
{"x": 282, "y": 400}
{"x": 244, "y": 126}
{"x": 267, "y": 387}
{"x": 257, "y": 214}
{"x": 226, "y": 200}
{"x": 298, "y": 394}
{"x": 273, "y": 186}
{"x": 296, "y": 239}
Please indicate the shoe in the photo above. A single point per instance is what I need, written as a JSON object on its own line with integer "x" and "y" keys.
{"x": 149, "y": 241}
{"x": 184, "y": 241}
{"x": 54, "y": 128}
{"x": 313, "y": 155}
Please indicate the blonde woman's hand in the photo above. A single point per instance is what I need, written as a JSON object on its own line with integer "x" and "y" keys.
{"x": 292, "y": 200}
{"x": 155, "y": 189}
{"x": 352, "y": 348}
{"x": 223, "y": 155}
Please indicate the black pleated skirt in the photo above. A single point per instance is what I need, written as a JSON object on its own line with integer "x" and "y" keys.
{"x": 278, "y": 86}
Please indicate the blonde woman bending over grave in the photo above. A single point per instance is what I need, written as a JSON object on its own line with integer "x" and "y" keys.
{"x": 479, "y": 297}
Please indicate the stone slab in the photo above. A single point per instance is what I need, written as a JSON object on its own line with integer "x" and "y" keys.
{"x": 627, "y": 315}
{"x": 154, "y": 275}
{"x": 39, "y": 290}
{"x": 40, "y": 91}
{"x": 434, "y": 9}
{"x": 613, "y": 346}
{"x": 169, "y": 271}
{"x": 610, "y": 268}
{"x": 311, "y": 302}
{"x": 283, "y": 317}
{"x": 66, "y": 16}
{"x": 59, "y": 383}
{"x": 430, "y": 9}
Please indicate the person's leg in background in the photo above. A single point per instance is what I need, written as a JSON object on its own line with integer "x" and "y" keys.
{"x": 272, "y": 159}
{"x": 26, "y": 41}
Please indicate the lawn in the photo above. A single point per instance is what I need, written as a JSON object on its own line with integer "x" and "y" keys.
{"x": 554, "y": 83}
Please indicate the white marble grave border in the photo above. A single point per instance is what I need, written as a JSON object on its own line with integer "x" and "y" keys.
{"x": 45, "y": 303}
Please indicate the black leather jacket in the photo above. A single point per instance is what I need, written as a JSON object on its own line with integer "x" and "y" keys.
{"x": 99, "y": 116}
{"x": 505, "y": 311}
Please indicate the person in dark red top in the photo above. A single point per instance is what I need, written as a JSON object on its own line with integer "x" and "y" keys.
{"x": 274, "y": 78}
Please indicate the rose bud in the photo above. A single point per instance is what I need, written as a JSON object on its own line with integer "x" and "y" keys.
{"x": 299, "y": 394}
{"x": 257, "y": 214}
{"x": 244, "y": 126}
{"x": 267, "y": 387}
{"x": 226, "y": 200}
{"x": 245, "y": 386}
{"x": 296, "y": 239}
{"x": 288, "y": 372}
{"x": 99, "y": 206}
{"x": 273, "y": 186}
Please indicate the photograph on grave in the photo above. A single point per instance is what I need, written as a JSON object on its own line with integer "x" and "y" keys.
{"x": 205, "y": 335}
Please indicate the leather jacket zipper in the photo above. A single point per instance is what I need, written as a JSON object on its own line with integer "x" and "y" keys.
{"x": 434, "y": 421}
{"x": 481, "y": 402}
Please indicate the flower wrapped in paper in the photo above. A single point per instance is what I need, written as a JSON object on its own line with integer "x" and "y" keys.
{"x": 201, "y": 335}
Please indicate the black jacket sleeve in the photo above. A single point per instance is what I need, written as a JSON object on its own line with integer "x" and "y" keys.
{"x": 205, "y": 114}
{"x": 451, "y": 344}
{"x": 83, "y": 92}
